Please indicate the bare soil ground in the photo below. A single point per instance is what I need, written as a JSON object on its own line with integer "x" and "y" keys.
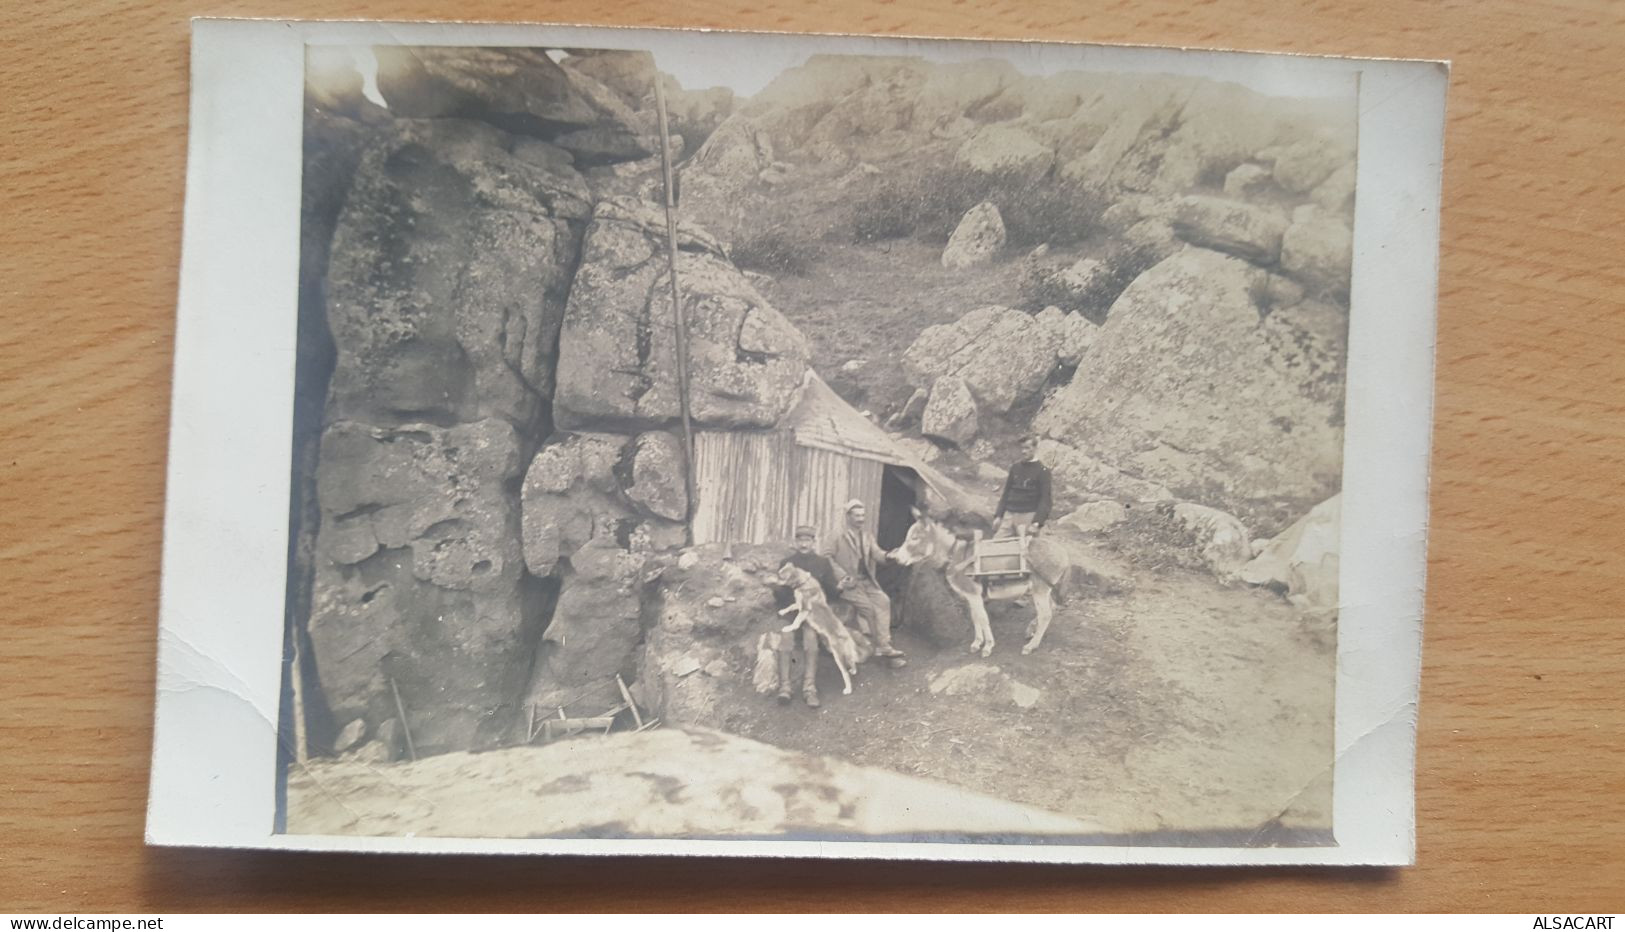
{"x": 1182, "y": 709}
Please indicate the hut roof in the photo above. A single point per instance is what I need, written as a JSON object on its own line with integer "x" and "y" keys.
{"x": 823, "y": 420}
{"x": 820, "y": 418}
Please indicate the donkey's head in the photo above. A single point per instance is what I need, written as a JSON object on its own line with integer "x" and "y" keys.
{"x": 927, "y": 541}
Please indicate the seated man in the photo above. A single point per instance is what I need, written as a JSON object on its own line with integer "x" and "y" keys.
{"x": 856, "y": 556}
{"x": 807, "y": 558}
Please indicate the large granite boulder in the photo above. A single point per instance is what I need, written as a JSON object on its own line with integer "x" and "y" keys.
{"x": 1188, "y": 385}
{"x": 521, "y": 90}
{"x": 1003, "y": 355}
{"x": 950, "y": 412}
{"x": 617, "y": 348}
{"x": 418, "y": 580}
{"x": 448, "y": 272}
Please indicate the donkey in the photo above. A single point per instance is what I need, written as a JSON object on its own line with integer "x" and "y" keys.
{"x": 933, "y": 544}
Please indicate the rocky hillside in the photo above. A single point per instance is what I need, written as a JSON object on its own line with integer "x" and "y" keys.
{"x": 1151, "y": 272}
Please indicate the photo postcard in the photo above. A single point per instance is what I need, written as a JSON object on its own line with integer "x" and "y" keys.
{"x": 654, "y": 441}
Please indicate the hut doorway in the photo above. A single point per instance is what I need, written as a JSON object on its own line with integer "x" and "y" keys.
{"x": 897, "y": 500}
{"x": 898, "y": 494}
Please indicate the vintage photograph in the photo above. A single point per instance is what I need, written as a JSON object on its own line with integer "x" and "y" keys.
{"x": 825, "y": 447}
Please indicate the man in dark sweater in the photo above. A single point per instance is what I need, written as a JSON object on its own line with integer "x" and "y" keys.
{"x": 806, "y": 557}
{"x": 1025, "y": 503}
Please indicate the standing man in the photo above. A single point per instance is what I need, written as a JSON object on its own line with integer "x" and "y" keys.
{"x": 1025, "y": 503}
{"x": 805, "y": 557}
{"x": 856, "y": 555}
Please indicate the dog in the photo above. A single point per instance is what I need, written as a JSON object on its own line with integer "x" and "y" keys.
{"x": 812, "y": 608}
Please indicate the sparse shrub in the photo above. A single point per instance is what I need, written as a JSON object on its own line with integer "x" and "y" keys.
{"x": 1121, "y": 263}
{"x": 927, "y": 206}
{"x": 771, "y": 251}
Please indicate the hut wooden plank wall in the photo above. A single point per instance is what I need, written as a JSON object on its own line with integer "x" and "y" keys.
{"x": 756, "y": 486}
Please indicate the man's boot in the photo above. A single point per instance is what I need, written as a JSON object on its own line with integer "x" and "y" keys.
{"x": 809, "y": 681}
{"x": 784, "y": 676}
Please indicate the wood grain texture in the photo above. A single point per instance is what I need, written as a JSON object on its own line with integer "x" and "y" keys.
{"x": 1521, "y": 782}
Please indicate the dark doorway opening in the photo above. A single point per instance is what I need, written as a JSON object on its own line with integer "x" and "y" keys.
{"x": 898, "y": 495}
{"x": 897, "y": 500}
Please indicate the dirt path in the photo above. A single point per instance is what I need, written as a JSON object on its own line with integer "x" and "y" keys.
{"x": 1179, "y": 707}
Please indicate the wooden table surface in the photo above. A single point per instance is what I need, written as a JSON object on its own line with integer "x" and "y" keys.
{"x": 1521, "y": 776}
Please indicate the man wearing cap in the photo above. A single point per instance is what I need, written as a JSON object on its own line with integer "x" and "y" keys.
{"x": 806, "y": 557}
{"x": 856, "y": 556}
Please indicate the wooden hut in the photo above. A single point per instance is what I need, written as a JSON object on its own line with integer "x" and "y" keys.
{"x": 753, "y": 486}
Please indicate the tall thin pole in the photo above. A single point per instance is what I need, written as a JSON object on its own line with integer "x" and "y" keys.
{"x": 676, "y": 296}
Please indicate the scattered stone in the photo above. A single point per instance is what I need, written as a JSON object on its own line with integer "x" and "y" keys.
{"x": 1246, "y": 180}
{"x": 987, "y": 472}
{"x": 1024, "y": 696}
{"x": 687, "y": 560}
{"x": 715, "y": 601}
{"x": 350, "y": 735}
{"x": 1223, "y": 540}
{"x": 1094, "y": 517}
{"x": 1303, "y": 559}
{"x": 977, "y": 239}
{"x": 853, "y": 365}
{"x": 716, "y": 669}
{"x": 1234, "y": 227}
{"x": 1303, "y": 165}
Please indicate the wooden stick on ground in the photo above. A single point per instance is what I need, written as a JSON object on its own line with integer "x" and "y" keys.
{"x": 406, "y": 729}
{"x": 627, "y": 695}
